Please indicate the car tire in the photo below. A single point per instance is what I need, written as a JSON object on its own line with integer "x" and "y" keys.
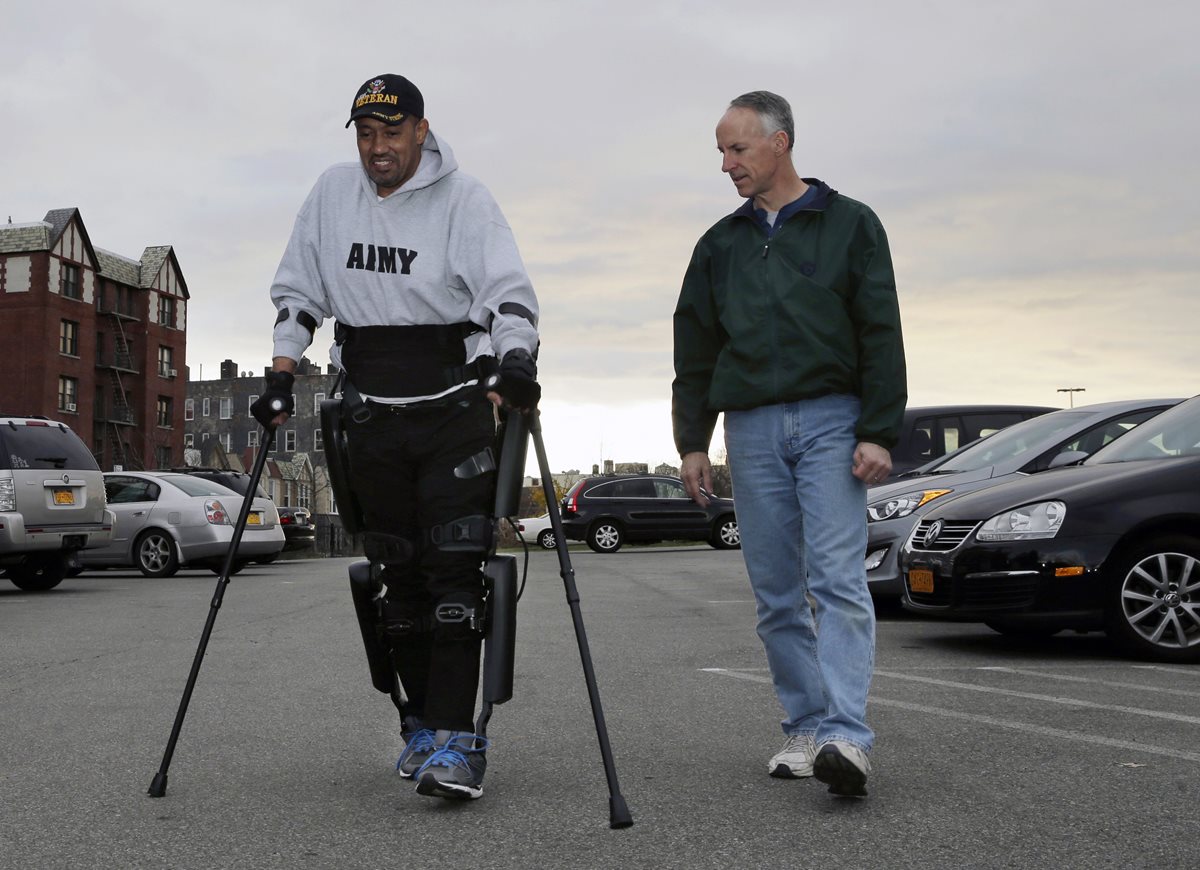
{"x": 725, "y": 535}
{"x": 38, "y": 573}
{"x": 1021, "y": 630}
{"x": 1147, "y": 610}
{"x": 545, "y": 539}
{"x": 605, "y": 536}
{"x": 154, "y": 554}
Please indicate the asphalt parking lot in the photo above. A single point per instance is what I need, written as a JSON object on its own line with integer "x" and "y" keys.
{"x": 990, "y": 753}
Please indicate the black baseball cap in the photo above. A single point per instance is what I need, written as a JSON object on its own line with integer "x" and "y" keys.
{"x": 388, "y": 98}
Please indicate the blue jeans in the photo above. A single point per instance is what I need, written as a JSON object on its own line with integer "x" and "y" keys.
{"x": 802, "y": 517}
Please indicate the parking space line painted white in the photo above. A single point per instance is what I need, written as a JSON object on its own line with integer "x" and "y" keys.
{"x": 1045, "y": 731}
{"x": 1112, "y": 684}
{"x": 1011, "y": 724}
{"x": 1191, "y": 672}
{"x": 1052, "y": 699}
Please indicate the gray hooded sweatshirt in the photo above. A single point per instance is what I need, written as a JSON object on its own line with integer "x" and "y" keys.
{"x": 436, "y": 251}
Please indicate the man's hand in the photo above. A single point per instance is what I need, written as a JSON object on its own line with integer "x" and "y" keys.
{"x": 872, "y": 463}
{"x": 515, "y": 387}
{"x": 275, "y": 405}
{"x": 696, "y": 473}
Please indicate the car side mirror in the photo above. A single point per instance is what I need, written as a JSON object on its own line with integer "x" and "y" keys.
{"x": 1068, "y": 457}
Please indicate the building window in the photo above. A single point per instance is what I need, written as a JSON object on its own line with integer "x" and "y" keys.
{"x": 68, "y": 393}
{"x": 204, "y": 411}
{"x": 68, "y": 337}
{"x": 189, "y": 440}
{"x": 227, "y": 441}
{"x": 252, "y": 438}
{"x": 166, "y": 310}
{"x": 249, "y": 406}
{"x": 289, "y": 441}
{"x": 189, "y": 409}
{"x": 162, "y": 455}
{"x": 203, "y": 437}
{"x": 318, "y": 440}
{"x": 166, "y": 361}
{"x": 304, "y": 500}
{"x": 164, "y": 411}
{"x": 70, "y": 282}
{"x": 226, "y": 407}
{"x": 318, "y": 398}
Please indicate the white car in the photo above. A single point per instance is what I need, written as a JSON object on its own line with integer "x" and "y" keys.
{"x": 165, "y": 520}
{"x": 537, "y": 529}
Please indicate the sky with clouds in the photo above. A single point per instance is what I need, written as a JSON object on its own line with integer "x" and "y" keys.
{"x": 1034, "y": 163}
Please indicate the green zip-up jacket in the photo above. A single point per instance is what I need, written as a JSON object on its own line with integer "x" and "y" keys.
{"x": 809, "y": 310}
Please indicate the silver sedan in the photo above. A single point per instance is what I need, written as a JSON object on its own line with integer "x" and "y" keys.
{"x": 166, "y": 520}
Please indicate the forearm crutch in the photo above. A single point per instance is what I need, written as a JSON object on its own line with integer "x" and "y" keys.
{"x": 158, "y": 786}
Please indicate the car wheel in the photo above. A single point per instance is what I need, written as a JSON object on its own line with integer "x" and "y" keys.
{"x": 154, "y": 554}
{"x": 1153, "y": 609}
{"x": 725, "y": 534}
{"x": 605, "y": 536}
{"x": 1018, "y": 629}
{"x": 37, "y": 574}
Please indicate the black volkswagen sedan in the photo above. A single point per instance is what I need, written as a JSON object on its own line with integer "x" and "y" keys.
{"x": 1111, "y": 544}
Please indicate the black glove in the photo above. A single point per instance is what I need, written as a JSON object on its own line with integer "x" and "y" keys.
{"x": 517, "y": 381}
{"x": 276, "y": 400}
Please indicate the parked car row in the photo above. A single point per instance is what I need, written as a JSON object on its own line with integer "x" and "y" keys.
{"x": 1111, "y": 542}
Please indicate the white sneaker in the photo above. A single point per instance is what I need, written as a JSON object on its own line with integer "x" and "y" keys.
{"x": 795, "y": 760}
{"x": 843, "y": 767}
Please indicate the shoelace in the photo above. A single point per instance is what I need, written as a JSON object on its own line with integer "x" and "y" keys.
{"x": 422, "y": 741}
{"x": 456, "y": 750}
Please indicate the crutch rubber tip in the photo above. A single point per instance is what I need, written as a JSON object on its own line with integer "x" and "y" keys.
{"x": 158, "y": 786}
{"x": 618, "y": 813}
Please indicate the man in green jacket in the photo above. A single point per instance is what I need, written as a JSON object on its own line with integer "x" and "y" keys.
{"x": 788, "y": 323}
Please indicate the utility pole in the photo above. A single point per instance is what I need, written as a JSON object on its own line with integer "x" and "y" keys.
{"x": 1071, "y": 391}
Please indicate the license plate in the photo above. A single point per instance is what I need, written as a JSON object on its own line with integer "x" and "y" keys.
{"x": 64, "y": 496}
{"x": 920, "y": 580}
{"x": 254, "y": 519}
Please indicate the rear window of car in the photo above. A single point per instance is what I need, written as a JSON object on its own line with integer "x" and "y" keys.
{"x": 42, "y": 445}
{"x": 192, "y": 485}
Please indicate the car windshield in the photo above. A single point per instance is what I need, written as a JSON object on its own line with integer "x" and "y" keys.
{"x": 1010, "y": 442}
{"x": 1174, "y": 432}
{"x": 43, "y": 445}
{"x": 192, "y": 485}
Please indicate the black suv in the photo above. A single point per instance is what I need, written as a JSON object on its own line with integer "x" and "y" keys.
{"x": 607, "y": 511}
{"x": 238, "y": 481}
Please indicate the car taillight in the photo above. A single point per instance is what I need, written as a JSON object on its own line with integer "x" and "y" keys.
{"x": 573, "y": 502}
{"x": 285, "y": 520}
{"x": 215, "y": 513}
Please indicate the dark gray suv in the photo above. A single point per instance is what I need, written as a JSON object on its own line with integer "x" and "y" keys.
{"x": 609, "y": 510}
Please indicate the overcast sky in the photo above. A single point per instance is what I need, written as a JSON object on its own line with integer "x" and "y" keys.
{"x": 1033, "y": 161}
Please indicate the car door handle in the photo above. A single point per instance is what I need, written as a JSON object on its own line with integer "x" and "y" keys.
{"x": 139, "y": 513}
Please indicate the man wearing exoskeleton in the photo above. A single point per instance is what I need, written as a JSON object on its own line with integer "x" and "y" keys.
{"x": 419, "y": 268}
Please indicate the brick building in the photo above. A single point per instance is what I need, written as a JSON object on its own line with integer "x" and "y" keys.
{"x": 219, "y": 427}
{"x": 94, "y": 339}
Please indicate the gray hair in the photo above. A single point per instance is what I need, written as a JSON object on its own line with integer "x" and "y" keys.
{"x": 772, "y": 109}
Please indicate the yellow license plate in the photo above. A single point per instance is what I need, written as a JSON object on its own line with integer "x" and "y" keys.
{"x": 920, "y": 580}
{"x": 64, "y": 496}
{"x": 254, "y": 519}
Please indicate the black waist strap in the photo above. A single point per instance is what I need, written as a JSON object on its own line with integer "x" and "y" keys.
{"x": 417, "y": 360}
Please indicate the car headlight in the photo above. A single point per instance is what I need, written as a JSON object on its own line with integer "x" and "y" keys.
{"x": 902, "y": 506}
{"x": 1033, "y": 521}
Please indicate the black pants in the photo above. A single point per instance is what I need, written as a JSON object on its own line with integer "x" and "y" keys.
{"x": 402, "y": 465}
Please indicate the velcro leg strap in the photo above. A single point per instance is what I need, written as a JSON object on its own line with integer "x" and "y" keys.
{"x": 473, "y": 534}
{"x": 388, "y": 549}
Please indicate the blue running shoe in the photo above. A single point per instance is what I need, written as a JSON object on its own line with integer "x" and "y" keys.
{"x": 418, "y": 746}
{"x": 455, "y": 769}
